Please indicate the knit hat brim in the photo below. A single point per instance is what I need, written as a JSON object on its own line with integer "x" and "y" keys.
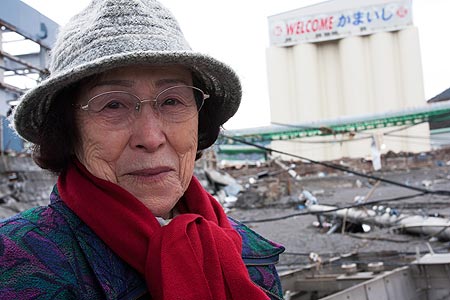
{"x": 220, "y": 81}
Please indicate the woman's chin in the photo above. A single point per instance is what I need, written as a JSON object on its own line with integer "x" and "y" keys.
{"x": 161, "y": 203}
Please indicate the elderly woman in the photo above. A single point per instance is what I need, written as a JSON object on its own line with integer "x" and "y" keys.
{"x": 125, "y": 113}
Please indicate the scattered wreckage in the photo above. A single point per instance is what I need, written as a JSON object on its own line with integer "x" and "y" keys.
{"x": 23, "y": 185}
{"x": 386, "y": 275}
{"x": 257, "y": 190}
{"x": 370, "y": 276}
{"x": 228, "y": 191}
{"x": 363, "y": 276}
{"x": 437, "y": 227}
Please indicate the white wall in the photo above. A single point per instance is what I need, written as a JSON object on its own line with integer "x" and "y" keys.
{"x": 352, "y": 76}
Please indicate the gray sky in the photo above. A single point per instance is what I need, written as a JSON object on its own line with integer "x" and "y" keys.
{"x": 236, "y": 32}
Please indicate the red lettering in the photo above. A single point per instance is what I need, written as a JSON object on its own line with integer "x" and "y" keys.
{"x": 291, "y": 28}
{"x": 315, "y": 25}
{"x": 312, "y": 25}
{"x": 324, "y": 23}
{"x": 299, "y": 24}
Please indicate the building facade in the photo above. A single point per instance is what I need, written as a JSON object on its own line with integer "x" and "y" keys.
{"x": 345, "y": 58}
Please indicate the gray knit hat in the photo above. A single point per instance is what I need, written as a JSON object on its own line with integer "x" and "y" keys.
{"x": 114, "y": 33}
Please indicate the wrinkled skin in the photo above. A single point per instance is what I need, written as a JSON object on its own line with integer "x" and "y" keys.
{"x": 152, "y": 159}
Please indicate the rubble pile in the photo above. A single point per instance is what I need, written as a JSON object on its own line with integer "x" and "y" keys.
{"x": 277, "y": 183}
{"x": 23, "y": 185}
{"x": 268, "y": 192}
{"x": 274, "y": 183}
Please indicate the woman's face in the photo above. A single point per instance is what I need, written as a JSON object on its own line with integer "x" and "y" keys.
{"x": 151, "y": 158}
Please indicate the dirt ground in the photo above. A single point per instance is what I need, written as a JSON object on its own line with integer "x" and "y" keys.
{"x": 301, "y": 237}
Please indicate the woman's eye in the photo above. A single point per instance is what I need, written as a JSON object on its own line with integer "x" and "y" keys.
{"x": 114, "y": 105}
{"x": 171, "y": 102}
{"x": 117, "y": 104}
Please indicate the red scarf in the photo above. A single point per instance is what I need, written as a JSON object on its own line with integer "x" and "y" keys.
{"x": 196, "y": 256}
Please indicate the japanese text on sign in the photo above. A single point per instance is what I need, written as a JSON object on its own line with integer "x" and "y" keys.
{"x": 286, "y": 30}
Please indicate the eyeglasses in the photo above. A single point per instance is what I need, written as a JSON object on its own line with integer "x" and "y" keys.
{"x": 175, "y": 104}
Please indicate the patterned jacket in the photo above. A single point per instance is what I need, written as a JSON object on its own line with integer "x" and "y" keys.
{"x": 49, "y": 253}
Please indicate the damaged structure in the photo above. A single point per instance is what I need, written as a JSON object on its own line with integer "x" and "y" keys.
{"x": 371, "y": 276}
{"x": 23, "y": 185}
{"x": 353, "y": 237}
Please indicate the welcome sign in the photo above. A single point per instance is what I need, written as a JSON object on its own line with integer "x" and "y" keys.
{"x": 290, "y": 29}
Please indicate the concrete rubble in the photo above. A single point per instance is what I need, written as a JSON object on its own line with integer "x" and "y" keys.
{"x": 271, "y": 193}
{"x": 438, "y": 227}
{"x": 332, "y": 254}
{"x": 281, "y": 184}
{"x": 23, "y": 185}
{"x": 285, "y": 193}
{"x": 328, "y": 253}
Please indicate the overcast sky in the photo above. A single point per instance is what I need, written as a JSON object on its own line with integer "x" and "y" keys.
{"x": 236, "y": 32}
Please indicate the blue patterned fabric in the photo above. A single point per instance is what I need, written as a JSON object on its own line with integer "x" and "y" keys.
{"x": 49, "y": 253}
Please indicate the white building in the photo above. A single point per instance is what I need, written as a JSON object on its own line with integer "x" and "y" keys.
{"x": 345, "y": 58}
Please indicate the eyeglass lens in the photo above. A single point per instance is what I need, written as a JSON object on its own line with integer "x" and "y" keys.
{"x": 117, "y": 108}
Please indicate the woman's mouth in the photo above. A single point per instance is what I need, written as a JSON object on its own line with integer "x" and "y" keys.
{"x": 151, "y": 173}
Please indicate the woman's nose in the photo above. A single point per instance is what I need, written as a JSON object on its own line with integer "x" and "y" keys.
{"x": 147, "y": 131}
